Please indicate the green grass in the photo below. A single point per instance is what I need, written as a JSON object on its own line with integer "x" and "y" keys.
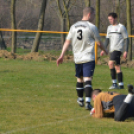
{"x": 20, "y": 51}
{"x": 40, "y": 98}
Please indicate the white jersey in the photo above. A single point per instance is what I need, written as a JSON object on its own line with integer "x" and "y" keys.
{"x": 116, "y": 35}
{"x": 83, "y": 35}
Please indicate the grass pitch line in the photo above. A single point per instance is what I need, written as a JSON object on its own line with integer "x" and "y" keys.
{"x": 43, "y": 125}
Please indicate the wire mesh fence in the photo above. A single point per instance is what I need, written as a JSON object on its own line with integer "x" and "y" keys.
{"x": 48, "y": 42}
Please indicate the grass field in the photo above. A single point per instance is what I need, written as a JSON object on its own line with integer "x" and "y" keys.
{"x": 40, "y": 98}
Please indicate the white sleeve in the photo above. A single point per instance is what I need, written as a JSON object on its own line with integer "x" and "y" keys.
{"x": 70, "y": 35}
{"x": 96, "y": 35}
{"x": 107, "y": 36}
{"x": 124, "y": 32}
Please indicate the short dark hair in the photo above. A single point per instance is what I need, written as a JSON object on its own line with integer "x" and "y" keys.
{"x": 96, "y": 92}
{"x": 88, "y": 10}
{"x": 114, "y": 15}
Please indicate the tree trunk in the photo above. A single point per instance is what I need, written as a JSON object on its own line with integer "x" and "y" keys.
{"x": 62, "y": 14}
{"x": 117, "y": 8}
{"x": 67, "y": 15}
{"x": 87, "y": 3}
{"x": 36, "y": 41}
{"x": 13, "y": 25}
{"x": 63, "y": 36}
{"x": 98, "y": 14}
{"x": 2, "y": 42}
{"x": 129, "y": 28}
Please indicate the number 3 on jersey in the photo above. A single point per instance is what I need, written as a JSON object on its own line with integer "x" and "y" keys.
{"x": 79, "y": 32}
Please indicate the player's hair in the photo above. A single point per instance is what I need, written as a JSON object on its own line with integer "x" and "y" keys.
{"x": 88, "y": 10}
{"x": 114, "y": 15}
{"x": 96, "y": 92}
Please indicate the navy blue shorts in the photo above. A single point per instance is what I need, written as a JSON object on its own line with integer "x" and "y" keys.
{"x": 85, "y": 69}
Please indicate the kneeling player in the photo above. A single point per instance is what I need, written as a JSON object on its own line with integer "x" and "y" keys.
{"x": 121, "y": 105}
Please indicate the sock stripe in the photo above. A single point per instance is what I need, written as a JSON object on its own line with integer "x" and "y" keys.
{"x": 87, "y": 86}
{"x": 121, "y": 84}
{"x": 128, "y": 98}
{"x": 114, "y": 81}
{"x": 88, "y": 99}
{"x": 78, "y": 88}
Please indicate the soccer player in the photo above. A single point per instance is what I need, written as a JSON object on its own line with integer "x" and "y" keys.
{"x": 109, "y": 102}
{"x": 117, "y": 37}
{"x": 82, "y": 36}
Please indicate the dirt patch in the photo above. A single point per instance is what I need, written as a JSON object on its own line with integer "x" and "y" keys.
{"x": 38, "y": 57}
{"x": 6, "y": 54}
{"x": 124, "y": 63}
{"x": 30, "y": 56}
{"x": 102, "y": 61}
{"x": 42, "y": 57}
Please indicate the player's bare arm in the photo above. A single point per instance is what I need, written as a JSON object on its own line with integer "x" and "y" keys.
{"x": 64, "y": 49}
{"x": 126, "y": 43}
{"x": 102, "y": 47}
{"x": 106, "y": 43}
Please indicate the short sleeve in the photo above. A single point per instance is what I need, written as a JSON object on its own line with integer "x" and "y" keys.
{"x": 70, "y": 35}
{"x": 96, "y": 35}
{"x": 107, "y": 36}
{"x": 124, "y": 32}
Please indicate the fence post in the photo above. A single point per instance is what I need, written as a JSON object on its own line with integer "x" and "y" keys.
{"x": 96, "y": 53}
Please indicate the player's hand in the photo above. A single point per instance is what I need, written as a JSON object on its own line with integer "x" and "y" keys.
{"x": 125, "y": 55}
{"x": 60, "y": 60}
{"x": 92, "y": 111}
{"x": 102, "y": 53}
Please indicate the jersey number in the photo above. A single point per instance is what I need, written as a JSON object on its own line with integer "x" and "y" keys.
{"x": 79, "y": 37}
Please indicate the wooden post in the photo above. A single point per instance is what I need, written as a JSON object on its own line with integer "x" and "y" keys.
{"x": 96, "y": 53}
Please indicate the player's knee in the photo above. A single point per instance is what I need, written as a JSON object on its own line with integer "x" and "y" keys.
{"x": 118, "y": 69}
{"x": 80, "y": 80}
{"x": 110, "y": 64}
{"x": 87, "y": 79}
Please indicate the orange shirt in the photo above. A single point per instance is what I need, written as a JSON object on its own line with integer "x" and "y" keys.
{"x": 103, "y": 103}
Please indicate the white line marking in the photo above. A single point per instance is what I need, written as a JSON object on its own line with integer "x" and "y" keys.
{"x": 51, "y": 123}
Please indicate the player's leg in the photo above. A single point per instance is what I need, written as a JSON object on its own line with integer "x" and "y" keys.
{"x": 80, "y": 91}
{"x": 79, "y": 84}
{"x": 118, "y": 70}
{"x": 88, "y": 71}
{"x": 122, "y": 113}
{"x": 120, "y": 76}
{"x": 88, "y": 91}
{"x": 113, "y": 74}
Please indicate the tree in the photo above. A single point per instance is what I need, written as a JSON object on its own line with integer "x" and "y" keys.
{"x": 98, "y": 14}
{"x": 117, "y": 8}
{"x": 36, "y": 41}
{"x": 13, "y": 25}
{"x": 129, "y": 28}
{"x": 63, "y": 14}
{"x": 2, "y": 42}
{"x": 87, "y": 3}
